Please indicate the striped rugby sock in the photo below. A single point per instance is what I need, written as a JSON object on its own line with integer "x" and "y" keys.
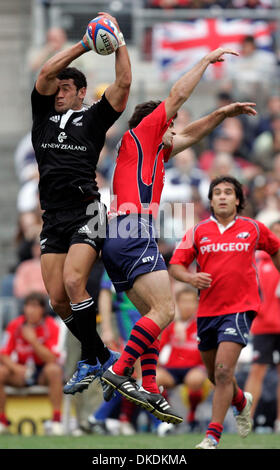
{"x": 85, "y": 320}
{"x": 215, "y": 431}
{"x": 149, "y": 360}
{"x": 143, "y": 334}
{"x": 239, "y": 400}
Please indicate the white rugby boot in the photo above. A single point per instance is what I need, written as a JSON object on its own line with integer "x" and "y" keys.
{"x": 243, "y": 419}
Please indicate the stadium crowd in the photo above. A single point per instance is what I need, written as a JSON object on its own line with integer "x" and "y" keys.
{"x": 245, "y": 147}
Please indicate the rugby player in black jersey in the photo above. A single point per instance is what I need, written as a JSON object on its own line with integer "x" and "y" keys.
{"x": 67, "y": 138}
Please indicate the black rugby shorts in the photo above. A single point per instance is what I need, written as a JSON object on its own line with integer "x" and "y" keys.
{"x": 63, "y": 228}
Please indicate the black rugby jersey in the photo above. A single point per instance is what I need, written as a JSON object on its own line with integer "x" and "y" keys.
{"x": 67, "y": 147}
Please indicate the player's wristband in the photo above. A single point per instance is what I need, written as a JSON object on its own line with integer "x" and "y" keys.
{"x": 121, "y": 39}
{"x": 85, "y": 46}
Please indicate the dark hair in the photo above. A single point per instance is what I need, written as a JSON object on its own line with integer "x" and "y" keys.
{"x": 142, "y": 110}
{"x": 249, "y": 38}
{"x": 237, "y": 188}
{"x": 78, "y": 77}
{"x": 35, "y": 297}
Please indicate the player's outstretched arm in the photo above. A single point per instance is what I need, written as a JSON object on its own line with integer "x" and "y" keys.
{"x": 184, "y": 87}
{"x": 197, "y": 130}
{"x": 117, "y": 93}
{"x": 46, "y": 83}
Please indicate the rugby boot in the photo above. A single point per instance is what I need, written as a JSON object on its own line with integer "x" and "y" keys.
{"x": 161, "y": 409}
{"x": 208, "y": 443}
{"x": 127, "y": 386}
{"x": 243, "y": 419}
{"x": 82, "y": 377}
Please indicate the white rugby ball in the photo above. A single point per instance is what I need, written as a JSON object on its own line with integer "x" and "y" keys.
{"x": 102, "y": 36}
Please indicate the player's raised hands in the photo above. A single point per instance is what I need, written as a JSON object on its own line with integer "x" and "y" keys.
{"x": 109, "y": 17}
{"x": 217, "y": 55}
{"x": 234, "y": 109}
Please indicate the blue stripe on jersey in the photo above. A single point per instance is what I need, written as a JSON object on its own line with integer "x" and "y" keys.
{"x": 145, "y": 190}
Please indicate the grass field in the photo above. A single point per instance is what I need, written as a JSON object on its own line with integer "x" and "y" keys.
{"x": 139, "y": 441}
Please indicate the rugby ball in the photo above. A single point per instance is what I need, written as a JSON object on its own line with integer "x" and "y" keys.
{"x": 102, "y": 36}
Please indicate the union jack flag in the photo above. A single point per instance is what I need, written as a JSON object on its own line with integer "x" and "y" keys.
{"x": 177, "y": 46}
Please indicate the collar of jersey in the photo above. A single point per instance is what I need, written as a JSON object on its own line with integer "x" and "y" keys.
{"x": 65, "y": 117}
{"x": 221, "y": 227}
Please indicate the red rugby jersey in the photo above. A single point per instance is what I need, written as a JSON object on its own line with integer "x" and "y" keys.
{"x": 268, "y": 319}
{"x": 139, "y": 172}
{"x": 229, "y": 256}
{"x": 47, "y": 333}
{"x": 181, "y": 340}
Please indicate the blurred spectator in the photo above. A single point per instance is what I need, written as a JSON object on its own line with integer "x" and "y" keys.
{"x": 272, "y": 108}
{"x": 56, "y": 41}
{"x": 253, "y": 4}
{"x": 30, "y": 355}
{"x": 182, "y": 177}
{"x": 180, "y": 361}
{"x": 28, "y": 275}
{"x": 270, "y": 211}
{"x": 266, "y": 330}
{"x": 267, "y": 144}
{"x": 25, "y": 161}
{"x": 253, "y": 71}
{"x": 167, "y": 4}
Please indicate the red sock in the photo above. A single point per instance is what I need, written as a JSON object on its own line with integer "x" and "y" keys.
{"x": 239, "y": 400}
{"x": 127, "y": 410}
{"x": 57, "y": 415}
{"x": 194, "y": 398}
{"x": 149, "y": 360}
{"x": 143, "y": 334}
{"x": 215, "y": 430}
{"x": 4, "y": 420}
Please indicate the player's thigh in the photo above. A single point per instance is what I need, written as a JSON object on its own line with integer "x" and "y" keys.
{"x": 16, "y": 379}
{"x": 52, "y": 265}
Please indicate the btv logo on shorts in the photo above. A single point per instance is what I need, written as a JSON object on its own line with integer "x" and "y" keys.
{"x": 148, "y": 259}
{"x": 62, "y": 136}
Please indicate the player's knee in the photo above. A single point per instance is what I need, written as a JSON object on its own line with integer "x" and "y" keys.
{"x": 4, "y": 372}
{"x": 53, "y": 371}
{"x": 195, "y": 378}
{"x": 223, "y": 374}
{"x": 74, "y": 284}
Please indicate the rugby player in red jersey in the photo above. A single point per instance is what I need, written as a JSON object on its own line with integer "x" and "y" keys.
{"x": 224, "y": 247}
{"x": 130, "y": 251}
{"x": 266, "y": 330}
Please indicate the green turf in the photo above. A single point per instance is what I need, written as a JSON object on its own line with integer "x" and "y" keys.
{"x": 139, "y": 441}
